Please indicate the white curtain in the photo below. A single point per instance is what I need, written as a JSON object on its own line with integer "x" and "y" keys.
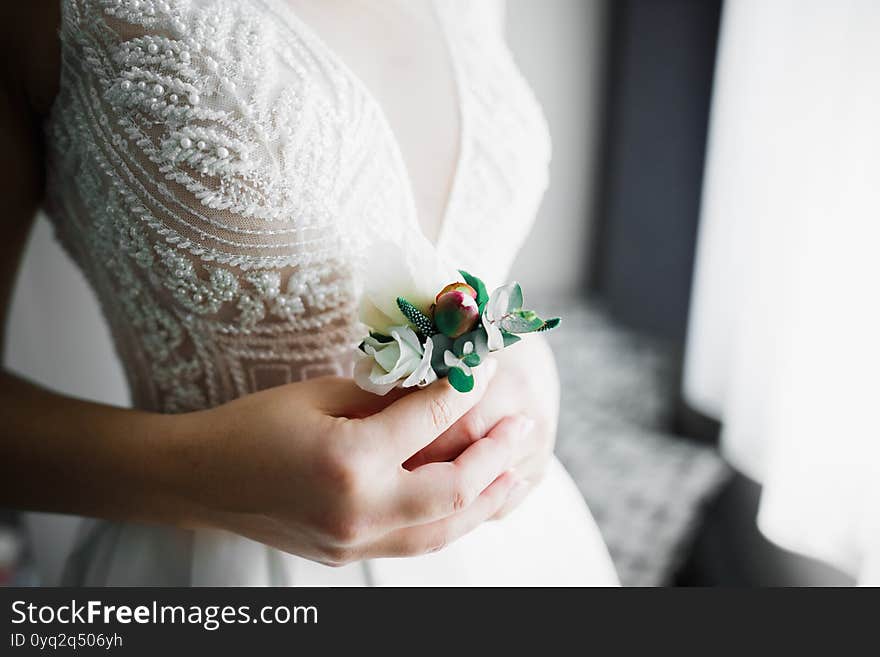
{"x": 784, "y": 339}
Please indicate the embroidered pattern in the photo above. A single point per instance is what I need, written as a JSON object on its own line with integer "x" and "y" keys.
{"x": 218, "y": 176}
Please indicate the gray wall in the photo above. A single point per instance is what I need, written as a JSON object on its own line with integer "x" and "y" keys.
{"x": 559, "y": 46}
{"x": 661, "y": 64}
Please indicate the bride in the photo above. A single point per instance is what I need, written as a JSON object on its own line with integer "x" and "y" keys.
{"x": 222, "y": 171}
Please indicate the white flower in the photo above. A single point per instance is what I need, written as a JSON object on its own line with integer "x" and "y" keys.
{"x": 494, "y": 312}
{"x": 417, "y": 275}
{"x": 403, "y": 361}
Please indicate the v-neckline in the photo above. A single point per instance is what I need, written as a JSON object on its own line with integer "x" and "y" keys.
{"x": 308, "y": 33}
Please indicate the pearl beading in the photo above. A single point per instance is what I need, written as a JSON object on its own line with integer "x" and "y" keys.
{"x": 219, "y": 178}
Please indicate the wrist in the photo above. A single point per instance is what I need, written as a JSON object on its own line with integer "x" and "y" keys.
{"x": 174, "y": 471}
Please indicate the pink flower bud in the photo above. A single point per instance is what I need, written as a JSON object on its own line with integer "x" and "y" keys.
{"x": 461, "y": 287}
{"x": 456, "y": 311}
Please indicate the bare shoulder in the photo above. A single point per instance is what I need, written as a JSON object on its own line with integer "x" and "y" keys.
{"x": 32, "y": 52}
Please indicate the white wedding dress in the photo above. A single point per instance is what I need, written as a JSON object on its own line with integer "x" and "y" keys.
{"x": 219, "y": 175}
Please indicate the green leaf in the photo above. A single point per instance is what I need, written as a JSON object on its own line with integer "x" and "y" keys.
{"x": 459, "y": 380}
{"x": 478, "y": 337}
{"x": 509, "y": 338}
{"x": 479, "y": 286}
{"x": 472, "y": 359}
{"x": 515, "y": 301}
{"x": 379, "y": 337}
{"x": 550, "y": 324}
{"x": 423, "y": 323}
{"x": 441, "y": 344}
{"x": 521, "y": 321}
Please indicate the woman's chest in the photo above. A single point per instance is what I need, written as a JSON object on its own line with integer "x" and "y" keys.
{"x": 432, "y": 115}
{"x": 398, "y": 51}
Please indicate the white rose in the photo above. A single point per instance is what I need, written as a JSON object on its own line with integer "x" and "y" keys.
{"x": 417, "y": 275}
{"x": 402, "y": 361}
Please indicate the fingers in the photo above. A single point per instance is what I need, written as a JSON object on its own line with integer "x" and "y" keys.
{"x": 503, "y": 400}
{"x": 522, "y": 488}
{"x": 415, "y": 420}
{"x": 435, "y": 536}
{"x": 530, "y": 473}
{"x": 452, "y": 442}
{"x": 438, "y": 490}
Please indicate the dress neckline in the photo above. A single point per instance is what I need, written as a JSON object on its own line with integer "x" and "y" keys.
{"x": 302, "y": 29}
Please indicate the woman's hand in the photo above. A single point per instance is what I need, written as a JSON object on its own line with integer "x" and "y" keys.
{"x": 526, "y": 384}
{"x": 315, "y": 469}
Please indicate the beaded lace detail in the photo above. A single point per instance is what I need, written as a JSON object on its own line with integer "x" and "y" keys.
{"x": 219, "y": 176}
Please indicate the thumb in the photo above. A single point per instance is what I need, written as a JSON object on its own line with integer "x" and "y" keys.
{"x": 417, "y": 419}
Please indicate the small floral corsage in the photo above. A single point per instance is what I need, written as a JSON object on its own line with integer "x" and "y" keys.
{"x": 447, "y": 335}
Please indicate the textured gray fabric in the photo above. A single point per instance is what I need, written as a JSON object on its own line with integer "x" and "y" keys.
{"x": 645, "y": 486}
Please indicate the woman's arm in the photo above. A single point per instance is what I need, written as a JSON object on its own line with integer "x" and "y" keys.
{"x": 59, "y": 454}
{"x": 69, "y": 456}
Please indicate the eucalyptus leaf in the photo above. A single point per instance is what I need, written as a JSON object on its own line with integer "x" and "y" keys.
{"x": 441, "y": 345}
{"x": 521, "y": 321}
{"x": 515, "y": 300}
{"x": 478, "y": 337}
{"x": 550, "y": 324}
{"x": 472, "y": 359}
{"x": 509, "y": 338}
{"x": 459, "y": 380}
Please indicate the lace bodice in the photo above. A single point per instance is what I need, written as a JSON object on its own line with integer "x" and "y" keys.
{"x": 220, "y": 176}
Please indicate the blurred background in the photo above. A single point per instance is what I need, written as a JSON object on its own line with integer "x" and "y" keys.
{"x": 708, "y": 236}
